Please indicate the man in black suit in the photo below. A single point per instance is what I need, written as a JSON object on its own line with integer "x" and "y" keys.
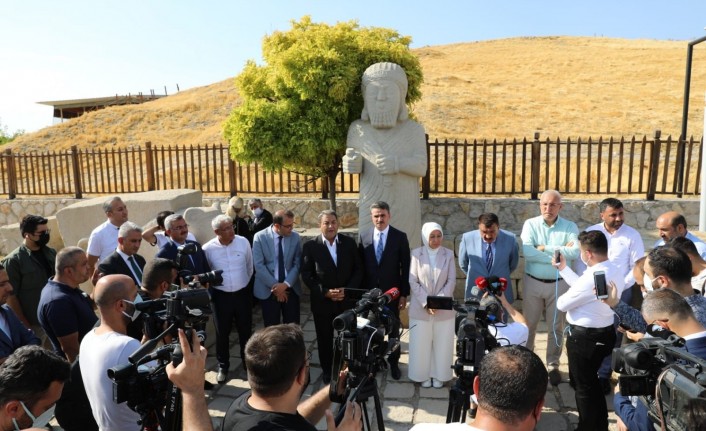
{"x": 386, "y": 258}
{"x": 331, "y": 264}
{"x": 262, "y": 219}
{"x": 125, "y": 260}
{"x": 176, "y": 229}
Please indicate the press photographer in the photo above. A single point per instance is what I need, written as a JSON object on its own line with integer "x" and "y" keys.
{"x": 671, "y": 314}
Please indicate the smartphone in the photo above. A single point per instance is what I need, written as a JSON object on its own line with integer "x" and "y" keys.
{"x": 557, "y": 257}
{"x": 600, "y": 283}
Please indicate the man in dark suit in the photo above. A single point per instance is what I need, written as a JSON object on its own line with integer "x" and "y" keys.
{"x": 176, "y": 229}
{"x": 277, "y": 257}
{"x": 386, "y": 258}
{"x": 125, "y": 260}
{"x": 331, "y": 264}
{"x": 262, "y": 219}
{"x": 488, "y": 251}
{"x": 13, "y": 334}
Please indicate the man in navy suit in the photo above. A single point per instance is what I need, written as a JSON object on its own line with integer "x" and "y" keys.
{"x": 386, "y": 258}
{"x": 488, "y": 251}
{"x": 13, "y": 334}
{"x": 277, "y": 256}
{"x": 125, "y": 260}
{"x": 330, "y": 265}
{"x": 176, "y": 229}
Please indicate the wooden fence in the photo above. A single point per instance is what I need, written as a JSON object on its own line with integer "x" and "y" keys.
{"x": 606, "y": 166}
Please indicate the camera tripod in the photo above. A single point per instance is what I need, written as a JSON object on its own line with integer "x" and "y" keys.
{"x": 368, "y": 387}
{"x": 460, "y": 398}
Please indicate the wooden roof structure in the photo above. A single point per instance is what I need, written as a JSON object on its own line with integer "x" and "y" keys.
{"x": 66, "y": 109}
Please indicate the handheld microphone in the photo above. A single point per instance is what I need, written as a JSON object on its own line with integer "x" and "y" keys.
{"x": 503, "y": 283}
{"x": 481, "y": 282}
{"x": 389, "y": 296}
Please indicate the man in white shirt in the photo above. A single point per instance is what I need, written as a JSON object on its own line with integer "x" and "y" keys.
{"x": 510, "y": 388}
{"x": 231, "y": 300}
{"x": 671, "y": 225}
{"x": 104, "y": 238}
{"x": 591, "y": 333}
{"x": 107, "y": 346}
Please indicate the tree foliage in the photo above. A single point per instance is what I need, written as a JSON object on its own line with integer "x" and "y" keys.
{"x": 297, "y": 107}
{"x": 6, "y": 136}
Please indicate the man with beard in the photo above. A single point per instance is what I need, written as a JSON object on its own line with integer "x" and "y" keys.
{"x": 278, "y": 374}
{"x": 671, "y": 225}
{"x": 388, "y": 150}
{"x": 108, "y": 346}
{"x": 29, "y": 266}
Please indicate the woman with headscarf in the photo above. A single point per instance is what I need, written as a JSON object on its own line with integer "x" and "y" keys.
{"x": 431, "y": 338}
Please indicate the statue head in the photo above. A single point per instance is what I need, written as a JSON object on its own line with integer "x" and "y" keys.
{"x": 384, "y": 91}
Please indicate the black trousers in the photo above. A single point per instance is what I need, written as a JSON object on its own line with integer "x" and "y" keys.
{"x": 274, "y": 313}
{"x": 586, "y": 348}
{"x": 394, "y": 357}
{"x": 323, "y": 323}
{"x": 228, "y": 306}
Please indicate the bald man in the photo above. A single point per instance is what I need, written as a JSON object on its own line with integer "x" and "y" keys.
{"x": 107, "y": 346}
{"x": 672, "y": 225}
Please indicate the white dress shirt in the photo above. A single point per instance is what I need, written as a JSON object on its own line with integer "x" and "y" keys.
{"x": 580, "y": 303}
{"x": 376, "y": 237}
{"x": 625, "y": 247}
{"x": 235, "y": 259}
{"x": 332, "y": 248}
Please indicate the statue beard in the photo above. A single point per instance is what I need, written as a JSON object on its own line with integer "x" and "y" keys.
{"x": 383, "y": 120}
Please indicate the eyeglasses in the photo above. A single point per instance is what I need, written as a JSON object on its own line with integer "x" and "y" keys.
{"x": 288, "y": 226}
{"x": 41, "y": 232}
{"x": 185, "y": 227}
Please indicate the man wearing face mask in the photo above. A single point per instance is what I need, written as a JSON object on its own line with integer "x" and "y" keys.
{"x": 240, "y": 218}
{"x": 263, "y": 218}
{"x": 31, "y": 381}
{"x": 107, "y": 346}
{"x": 29, "y": 266}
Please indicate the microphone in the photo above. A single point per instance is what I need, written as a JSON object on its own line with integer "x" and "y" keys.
{"x": 389, "y": 296}
{"x": 481, "y": 282}
{"x": 503, "y": 283}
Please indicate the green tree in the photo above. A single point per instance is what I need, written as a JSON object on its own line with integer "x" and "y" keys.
{"x": 6, "y": 136}
{"x": 296, "y": 108}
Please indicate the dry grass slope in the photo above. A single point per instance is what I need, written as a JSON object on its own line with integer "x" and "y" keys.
{"x": 560, "y": 86}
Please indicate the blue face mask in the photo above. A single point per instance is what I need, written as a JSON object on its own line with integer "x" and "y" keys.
{"x": 29, "y": 413}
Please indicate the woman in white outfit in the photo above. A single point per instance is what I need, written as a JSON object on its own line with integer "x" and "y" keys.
{"x": 431, "y": 338}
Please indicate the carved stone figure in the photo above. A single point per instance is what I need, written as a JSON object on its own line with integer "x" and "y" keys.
{"x": 388, "y": 150}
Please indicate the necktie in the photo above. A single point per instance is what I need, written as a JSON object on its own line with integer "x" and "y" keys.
{"x": 136, "y": 269}
{"x": 280, "y": 260}
{"x": 489, "y": 257}
{"x": 380, "y": 247}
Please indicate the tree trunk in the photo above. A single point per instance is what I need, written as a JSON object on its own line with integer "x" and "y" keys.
{"x": 331, "y": 175}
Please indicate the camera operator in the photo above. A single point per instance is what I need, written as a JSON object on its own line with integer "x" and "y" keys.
{"x": 514, "y": 333}
{"x": 278, "y": 373}
{"x": 591, "y": 333}
{"x": 510, "y": 388}
{"x": 177, "y": 230}
{"x": 31, "y": 380}
{"x": 107, "y": 346}
{"x": 156, "y": 279}
{"x": 669, "y": 310}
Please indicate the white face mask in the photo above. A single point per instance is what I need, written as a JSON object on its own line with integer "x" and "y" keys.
{"x": 647, "y": 282}
{"x": 257, "y": 211}
{"x": 29, "y": 413}
{"x": 585, "y": 262}
{"x": 135, "y": 311}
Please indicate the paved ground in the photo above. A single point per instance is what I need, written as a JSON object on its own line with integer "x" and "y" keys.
{"x": 404, "y": 403}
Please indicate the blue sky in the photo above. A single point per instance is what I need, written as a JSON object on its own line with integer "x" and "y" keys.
{"x": 74, "y": 49}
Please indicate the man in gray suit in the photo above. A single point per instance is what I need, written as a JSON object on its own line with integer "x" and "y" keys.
{"x": 488, "y": 251}
{"x": 277, "y": 253}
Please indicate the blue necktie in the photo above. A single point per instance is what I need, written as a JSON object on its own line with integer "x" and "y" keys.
{"x": 380, "y": 247}
{"x": 489, "y": 257}
{"x": 280, "y": 260}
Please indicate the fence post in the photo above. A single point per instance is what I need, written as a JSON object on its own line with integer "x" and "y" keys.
{"x": 77, "y": 172}
{"x": 231, "y": 176}
{"x": 11, "y": 174}
{"x": 654, "y": 166}
{"x": 535, "y": 164}
{"x": 426, "y": 181}
{"x": 150, "y": 165}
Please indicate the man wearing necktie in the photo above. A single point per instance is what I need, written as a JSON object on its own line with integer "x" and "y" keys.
{"x": 386, "y": 258}
{"x": 277, "y": 254}
{"x": 125, "y": 260}
{"x": 488, "y": 251}
{"x": 177, "y": 230}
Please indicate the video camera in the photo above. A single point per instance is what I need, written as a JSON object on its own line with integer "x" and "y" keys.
{"x": 662, "y": 374}
{"x": 360, "y": 342}
{"x": 149, "y": 391}
{"x": 213, "y": 278}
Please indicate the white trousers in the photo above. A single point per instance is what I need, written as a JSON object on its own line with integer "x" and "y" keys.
{"x": 431, "y": 349}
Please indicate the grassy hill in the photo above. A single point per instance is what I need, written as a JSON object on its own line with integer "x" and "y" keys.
{"x": 559, "y": 86}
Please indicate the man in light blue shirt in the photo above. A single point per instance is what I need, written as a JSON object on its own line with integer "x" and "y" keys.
{"x": 542, "y": 285}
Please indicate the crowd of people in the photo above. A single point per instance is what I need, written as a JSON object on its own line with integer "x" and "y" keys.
{"x": 263, "y": 260}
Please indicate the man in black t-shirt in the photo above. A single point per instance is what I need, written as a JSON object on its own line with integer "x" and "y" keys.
{"x": 278, "y": 373}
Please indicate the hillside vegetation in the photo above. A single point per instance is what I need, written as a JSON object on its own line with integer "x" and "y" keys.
{"x": 559, "y": 86}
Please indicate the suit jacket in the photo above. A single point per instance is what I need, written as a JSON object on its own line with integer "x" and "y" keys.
{"x": 320, "y": 273}
{"x": 421, "y": 281}
{"x": 197, "y": 264}
{"x": 115, "y": 264}
{"x": 263, "y": 251}
{"x": 262, "y": 222}
{"x": 20, "y": 335}
{"x": 393, "y": 269}
{"x": 471, "y": 259}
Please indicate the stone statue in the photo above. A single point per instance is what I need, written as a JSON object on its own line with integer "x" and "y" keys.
{"x": 388, "y": 150}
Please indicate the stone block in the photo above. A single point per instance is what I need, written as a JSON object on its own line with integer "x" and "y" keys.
{"x": 199, "y": 220}
{"x": 431, "y": 411}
